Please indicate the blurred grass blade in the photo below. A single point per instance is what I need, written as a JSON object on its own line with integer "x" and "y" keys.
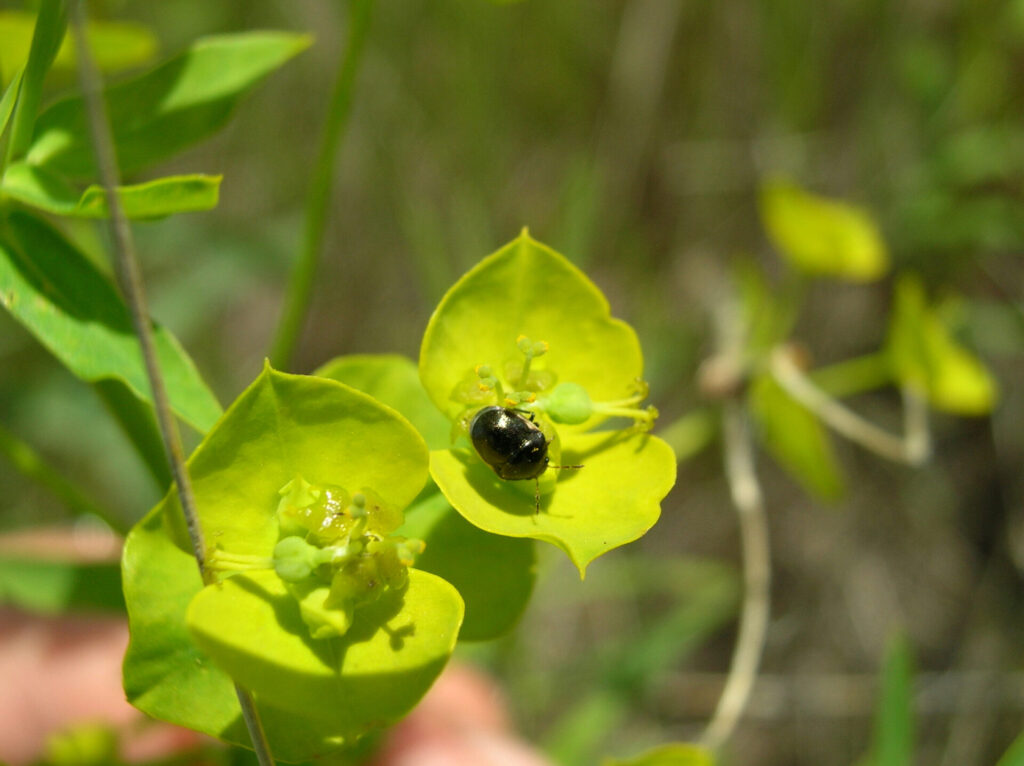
{"x": 138, "y": 423}
{"x": 894, "y": 719}
{"x": 116, "y": 45}
{"x": 822, "y": 236}
{"x": 50, "y": 27}
{"x": 1015, "y": 755}
{"x": 52, "y": 193}
{"x": 60, "y": 297}
{"x": 690, "y": 434}
{"x": 155, "y": 116}
{"x": 55, "y": 587}
{"x": 8, "y": 100}
{"x": 31, "y": 464}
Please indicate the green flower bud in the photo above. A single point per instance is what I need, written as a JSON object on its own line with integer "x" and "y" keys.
{"x": 568, "y": 403}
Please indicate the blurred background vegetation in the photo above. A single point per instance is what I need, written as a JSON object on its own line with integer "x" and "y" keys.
{"x": 633, "y": 137}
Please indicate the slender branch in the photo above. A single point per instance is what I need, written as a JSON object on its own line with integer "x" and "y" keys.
{"x": 32, "y": 465}
{"x": 749, "y": 502}
{"x": 300, "y": 287}
{"x": 130, "y": 279}
{"x": 913, "y": 448}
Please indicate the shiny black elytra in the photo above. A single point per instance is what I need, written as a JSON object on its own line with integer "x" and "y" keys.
{"x": 510, "y": 443}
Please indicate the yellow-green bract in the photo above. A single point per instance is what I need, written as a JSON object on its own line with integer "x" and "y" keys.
{"x": 528, "y": 290}
{"x": 186, "y": 637}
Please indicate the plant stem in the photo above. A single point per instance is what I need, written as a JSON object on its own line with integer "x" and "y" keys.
{"x": 300, "y": 286}
{"x": 130, "y": 278}
{"x": 749, "y": 503}
{"x": 31, "y": 464}
{"x": 913, "y": 448}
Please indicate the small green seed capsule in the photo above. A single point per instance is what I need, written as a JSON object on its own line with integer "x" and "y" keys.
{"x": 568, "y": 403}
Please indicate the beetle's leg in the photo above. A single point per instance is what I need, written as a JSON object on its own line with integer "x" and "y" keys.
{"x": 536, "y": 495}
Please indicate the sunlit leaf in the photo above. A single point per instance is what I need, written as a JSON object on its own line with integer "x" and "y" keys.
{"x": 925, "y": 356}
{"x": 50, "y": 192}
{"x": 167, "y": 109}
{"x": 115, "y": 45}
{"x": 823, "y": 236}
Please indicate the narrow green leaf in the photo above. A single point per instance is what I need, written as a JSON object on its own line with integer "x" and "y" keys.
{"x": 822, "y": 236}
{"x": 8, "y": 100}
{"x": 52, "y": 193}
{"x": 493, "y": 574}
{"x": 676, "y": 754}
{"x": 60, "y": 297}
{"x": 924, "y": 355}
{"x": 167, "y": 109}
{"x": 115, "y": 45}
{"x": 49, "y": 29}
{"x": 894, "y": 718}
{"x": 55, "y": 587}
{"x": 795, "y": 437}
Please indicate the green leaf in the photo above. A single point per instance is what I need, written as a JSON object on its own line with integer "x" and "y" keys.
{"x": 526, "y": 296}
{"x": 395, "y": 381}
{"x": 795, "y": 437}
{"x": 251, "y": 626}
{"x": 493, "y": 574}
{"x": 1014, "y": 756}
{"x": 676, "y": 754}
{"x": 48, "y": 30}
{"x": 925, "y": 356}
{"x": 822, "y": 236}
{"x": 614, "y": 499}
{"x": 527, "y": 289}
{"x": 115, "y": 45}
{"x": 280, "y": 427}
{"x": 52, "y": 193}
{"x": 894, "y": 719}
{"x": 52, "y": 586}
{"x": 137, "y": 421}
{"x": 8, "y": 100}
{"x": 57, "y": 294}
{"x": 167, "y": 109}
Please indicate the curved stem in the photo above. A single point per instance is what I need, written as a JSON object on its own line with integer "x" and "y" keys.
{"x": 912, "y": 448}
{"x": 130, "y": 279}
{"x": 300, "y": 287}
{"x": 749, "y": 502}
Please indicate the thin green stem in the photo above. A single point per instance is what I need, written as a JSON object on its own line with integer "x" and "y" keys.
{"x": 300, "y": 286}
{"x": 130, "y": 279}
{"x": 32, "y": 465}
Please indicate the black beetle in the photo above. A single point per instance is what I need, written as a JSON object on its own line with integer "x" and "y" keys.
{"x": 510, "y": 443}
{"x": 513, "y": 445}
